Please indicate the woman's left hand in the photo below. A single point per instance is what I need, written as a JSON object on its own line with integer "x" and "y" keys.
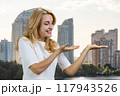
{"x": 96, "y": 47}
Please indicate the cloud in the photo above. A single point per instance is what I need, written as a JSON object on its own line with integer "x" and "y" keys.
{"x": 118, "y": 8}
{"x": 113, "y": 5}
{"x": 73, "y": 5}
{"x": 101, "y": 4}
{"x": 5, "y": 8}
{"x": 2, "y": 11}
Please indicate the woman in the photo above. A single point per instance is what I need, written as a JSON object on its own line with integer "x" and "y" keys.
{"x": 40, "y": 54}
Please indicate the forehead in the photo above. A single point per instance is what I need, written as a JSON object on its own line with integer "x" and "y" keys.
{"x": 47, "y": 17}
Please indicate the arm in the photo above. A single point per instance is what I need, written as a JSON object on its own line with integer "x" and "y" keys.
{"x": 29, "y": 58}
{"x": 71, "y": 70}
{"x": 38, "y": 68}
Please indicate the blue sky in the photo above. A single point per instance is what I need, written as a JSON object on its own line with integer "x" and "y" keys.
{"x": 88, "y": 15}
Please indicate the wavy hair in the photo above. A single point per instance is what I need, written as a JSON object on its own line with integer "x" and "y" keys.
{"x": 33, "y": 27}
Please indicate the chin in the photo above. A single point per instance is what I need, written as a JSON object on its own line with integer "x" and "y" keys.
{"x": 49, "y": 36}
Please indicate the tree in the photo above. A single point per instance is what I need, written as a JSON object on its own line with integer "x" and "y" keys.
{"x": 3, "y": 73}
{"x": 10, "y": 70}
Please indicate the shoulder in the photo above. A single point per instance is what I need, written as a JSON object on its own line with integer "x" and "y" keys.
{"x": 24, "y": 41}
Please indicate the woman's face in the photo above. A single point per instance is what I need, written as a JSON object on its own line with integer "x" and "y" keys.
{"x": 46, "y": 26}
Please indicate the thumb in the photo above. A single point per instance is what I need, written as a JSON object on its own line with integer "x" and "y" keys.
{"x": 63, "y": 46}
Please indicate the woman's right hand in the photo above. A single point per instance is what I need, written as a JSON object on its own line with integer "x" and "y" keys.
{"x": 64, "y": 49}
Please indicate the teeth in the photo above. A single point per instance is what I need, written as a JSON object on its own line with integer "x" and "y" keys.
{"x": 48, "y": 31}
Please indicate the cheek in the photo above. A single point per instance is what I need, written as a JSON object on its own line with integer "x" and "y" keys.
{"x": 42, "y": 31}
{"x": 43, "y": 28}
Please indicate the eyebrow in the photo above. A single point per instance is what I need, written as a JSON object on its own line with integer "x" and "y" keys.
{"x": 48, "y": 21}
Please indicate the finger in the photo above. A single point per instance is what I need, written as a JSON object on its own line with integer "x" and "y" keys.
{"x": 104, "y": 46}
{"x": 65, "y": 45}
{"x": 77, "y": 46}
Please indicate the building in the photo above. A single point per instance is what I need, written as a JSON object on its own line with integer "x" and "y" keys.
{"x": 117, "y": 59}
{"x": 106, "y": 55}
{"x": 113, "y": 34}
{"x": 95, "y": 37}
{"x": 66, "y": 35}
{"x": 88, "y": 58}
{"x": 6, "y": 51}
{"x": 18, "y": 28}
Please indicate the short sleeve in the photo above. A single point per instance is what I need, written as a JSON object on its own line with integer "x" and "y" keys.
{"x": 63, "y": 62}
{"x": 27, "y": 53}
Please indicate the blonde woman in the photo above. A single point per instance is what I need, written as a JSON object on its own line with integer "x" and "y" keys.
{"x": 40, "y": 54}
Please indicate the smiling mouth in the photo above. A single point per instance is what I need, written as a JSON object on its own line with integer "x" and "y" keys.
{"x": 49, "y": 32}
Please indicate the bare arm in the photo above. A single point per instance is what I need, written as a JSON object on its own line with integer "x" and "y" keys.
{"x": 38, "y": 68}
{"x": 71, "y": 70}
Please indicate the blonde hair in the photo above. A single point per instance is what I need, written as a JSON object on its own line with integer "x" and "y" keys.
{"x": 33, "y": 27}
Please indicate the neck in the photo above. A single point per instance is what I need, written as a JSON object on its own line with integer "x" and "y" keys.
{"x": 42, "y": 39}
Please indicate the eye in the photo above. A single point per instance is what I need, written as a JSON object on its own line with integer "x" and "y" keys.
{"x": 46, "y": 23}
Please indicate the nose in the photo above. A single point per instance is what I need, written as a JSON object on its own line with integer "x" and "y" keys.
{"x": 51, "y": 26}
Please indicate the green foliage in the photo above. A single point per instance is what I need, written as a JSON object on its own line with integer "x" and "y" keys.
{"x": 106, "y": 70}
{"x": 59, "y": 75}
{"x": 117, "y": 72}
{"x": 10, "y": 71}
{"x": 13, "y": 71}
{"x": 98, "y": 66}
{"x": 3, "y": 73}
{"x": 85, "y": 70}
{"x": 88, "y": 69}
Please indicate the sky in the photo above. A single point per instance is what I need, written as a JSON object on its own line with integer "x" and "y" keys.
{"x": 88, "y": 16}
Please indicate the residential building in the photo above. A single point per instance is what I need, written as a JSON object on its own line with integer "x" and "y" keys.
{"x": 6, "y": 51}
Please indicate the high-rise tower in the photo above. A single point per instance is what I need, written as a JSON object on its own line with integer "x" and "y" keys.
{"x": 18, "y": 28}
{"x": 6, "y": 50}
{"x": 66, "y": 35}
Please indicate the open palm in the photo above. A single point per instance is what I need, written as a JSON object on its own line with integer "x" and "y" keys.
{"x": 96, "y": 47}
{"x": 64, "y": 48}
{"x": 73, "y": 47}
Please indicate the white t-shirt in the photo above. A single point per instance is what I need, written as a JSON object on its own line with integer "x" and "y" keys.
{"x": 30, "y": 55}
